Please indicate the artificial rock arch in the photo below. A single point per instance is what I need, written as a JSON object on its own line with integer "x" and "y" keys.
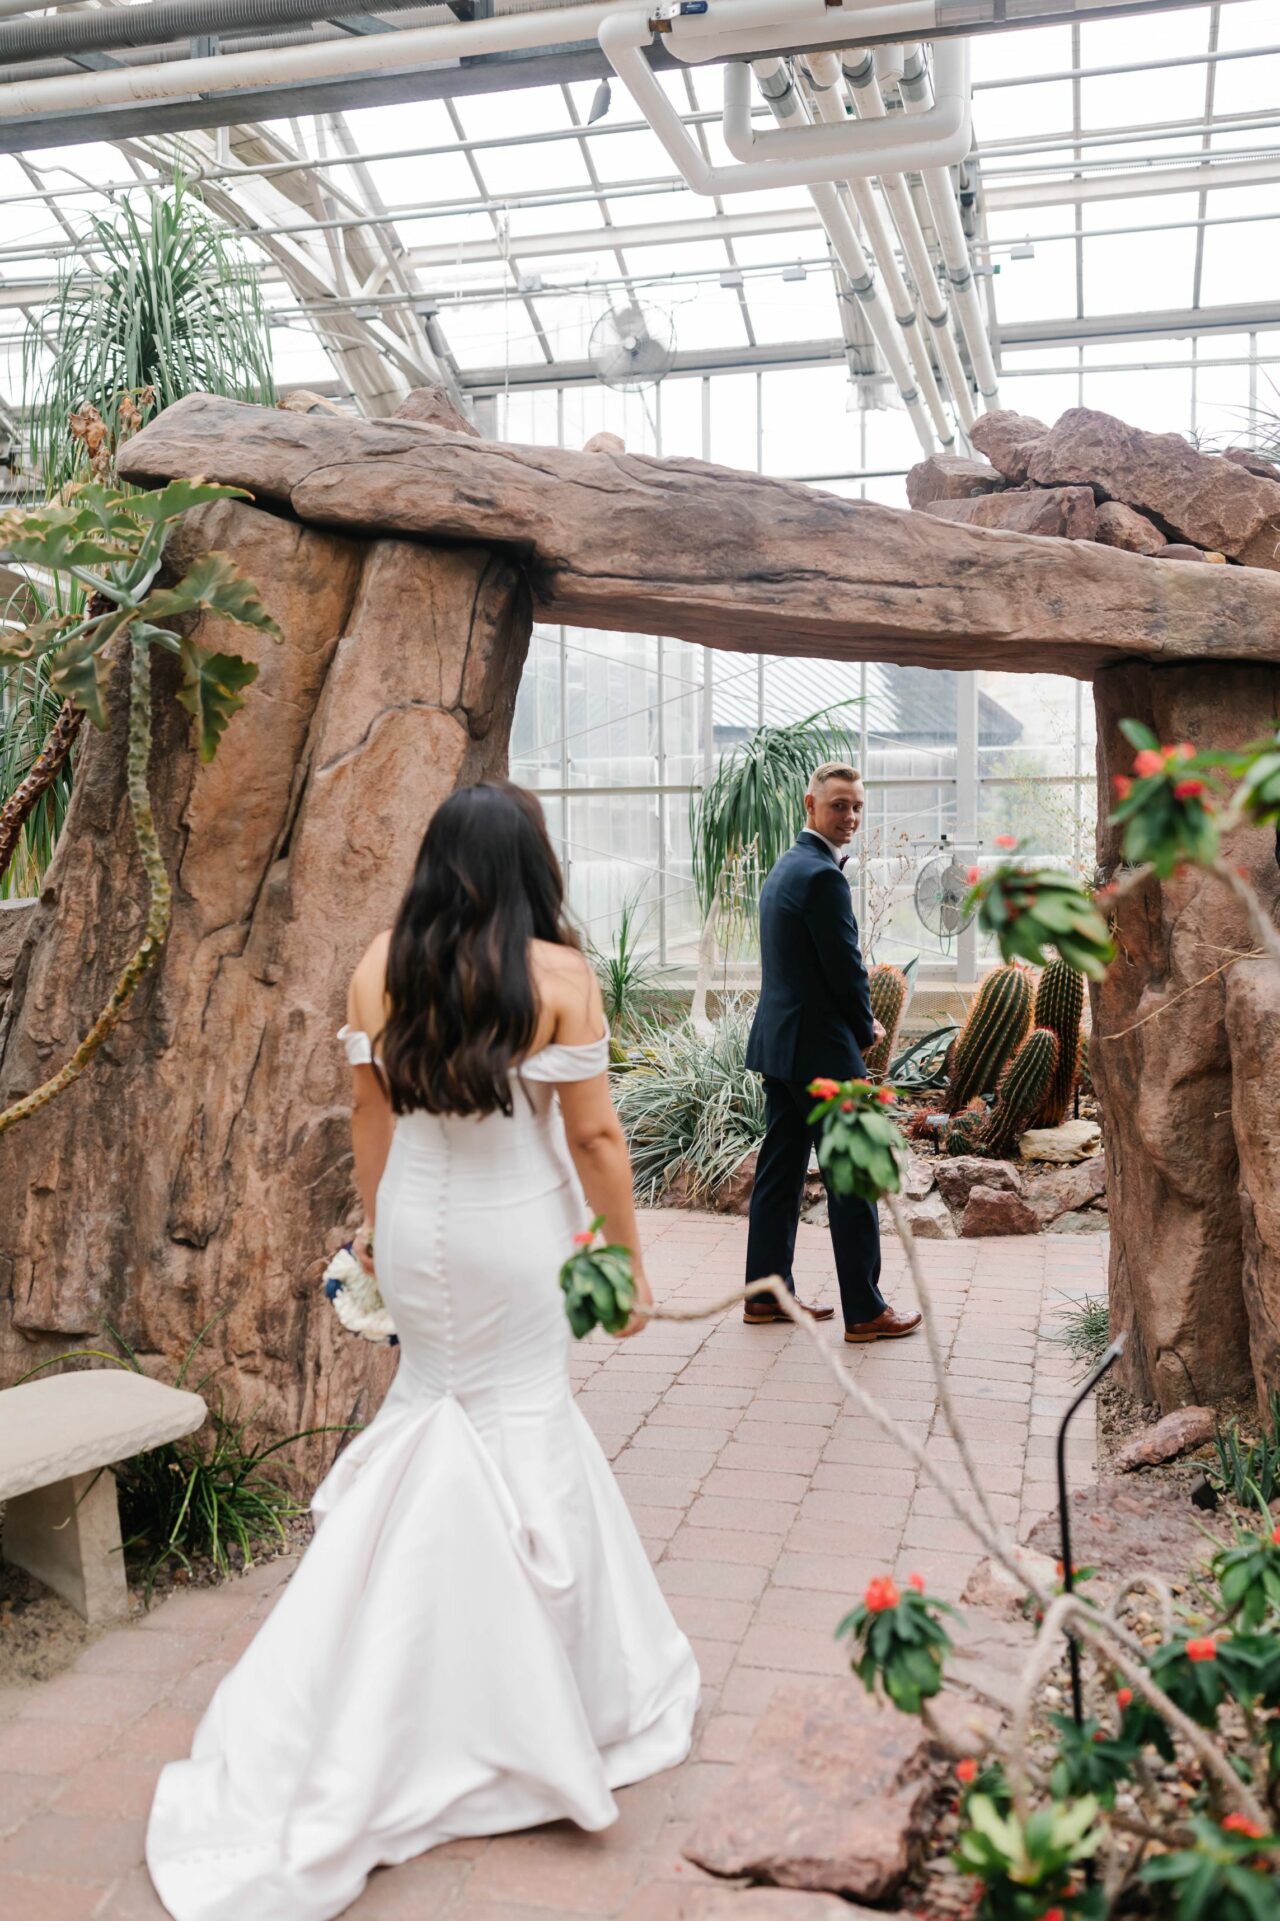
{"x": 203, "y": 1163}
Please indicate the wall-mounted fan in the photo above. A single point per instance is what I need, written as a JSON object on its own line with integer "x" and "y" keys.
{"x": 632, "y": 346}
{"x": 941, "y": 888}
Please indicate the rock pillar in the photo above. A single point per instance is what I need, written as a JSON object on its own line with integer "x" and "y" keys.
{"x": 201, "y": 1166}
{"x": 1183, "y": 1047}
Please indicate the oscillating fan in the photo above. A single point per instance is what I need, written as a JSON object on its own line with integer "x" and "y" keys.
{"x": 941, "y": 887}
{"x": 632, "y": 346}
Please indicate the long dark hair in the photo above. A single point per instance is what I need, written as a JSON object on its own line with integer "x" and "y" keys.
{"x": 463, "y": 1008}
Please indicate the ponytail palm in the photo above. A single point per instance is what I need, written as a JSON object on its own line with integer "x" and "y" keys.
{"x": 747, "y": 816}
{"x": 157, "y": 302}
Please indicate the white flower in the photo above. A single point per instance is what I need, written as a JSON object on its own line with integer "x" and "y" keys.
{"x": 356, "y": 1298}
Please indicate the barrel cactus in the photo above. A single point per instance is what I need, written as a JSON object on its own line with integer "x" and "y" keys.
{"x": 1059, "y": 1007}
{"x": 888, "y": 1002}
{"x": 965, "y": 1133}
{"x": 998, "y": 1022}
{"x": 1021, "y": 1094}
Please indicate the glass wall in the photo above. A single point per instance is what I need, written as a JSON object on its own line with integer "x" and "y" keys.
{"x": 617, "y": 731}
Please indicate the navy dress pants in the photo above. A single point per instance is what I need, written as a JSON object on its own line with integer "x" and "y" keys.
{"x": 778, "y": 1195}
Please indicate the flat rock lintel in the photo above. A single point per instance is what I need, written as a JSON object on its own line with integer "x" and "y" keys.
{"x": 733, "y": 560}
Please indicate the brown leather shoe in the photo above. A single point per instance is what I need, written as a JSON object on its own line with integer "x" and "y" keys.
{"x": 888, "y": 1326}
{"x": 763, "y": 1310}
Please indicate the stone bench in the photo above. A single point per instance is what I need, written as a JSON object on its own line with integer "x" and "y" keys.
{"x": 58, "y": 1439}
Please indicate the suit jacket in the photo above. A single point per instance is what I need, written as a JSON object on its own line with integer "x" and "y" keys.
{"x": 814, "y": 1014}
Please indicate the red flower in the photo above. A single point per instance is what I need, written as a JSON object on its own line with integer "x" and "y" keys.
{"x": 885, "y": 1096}
{"x": 967, "y": 1771}
{"x": 1052, "y": 1914}
{"x": 584, "y": 1239}
{"x": 1059, "y": 1569}
{"x": 1187, "y": 789}
{"x": 1122, "y": 784}
{"x": 1241, "y": 1824}
{"x": 846, "y": 1107}
{"x": 917, "y": 1580}
{"x": 1204, "y": 1649}
{"x": 1184, "y": 751}
{"x": 1275, "y": 1537}
{"x": 825, "y": 1090}
{"x": 1148, "y": 762}
{"x": 1124, "y": 1697}
{"x": 1006, "y": 840}
{"x": 971, "y": 875}
{"x": 881, "y": 1594}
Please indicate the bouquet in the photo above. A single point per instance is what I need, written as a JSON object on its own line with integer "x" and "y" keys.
{"x": 355, "y": 1298}
{"x": 598, "y": 1284}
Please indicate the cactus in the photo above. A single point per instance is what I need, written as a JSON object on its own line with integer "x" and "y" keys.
{"x": 998, "y": 1022}
{"x": 1084, "y": 1079}
{"x": 1022, "y": 1090}
{"x": 964, "y": 1135}
{"x": 1059, "y": 1006}
{"x": 888, "y": 1001}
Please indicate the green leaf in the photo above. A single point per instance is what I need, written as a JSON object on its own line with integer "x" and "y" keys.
{"x": 1137, "y": 735}
{"x": 213, "y": 584}
{"x": 210, "y": 690}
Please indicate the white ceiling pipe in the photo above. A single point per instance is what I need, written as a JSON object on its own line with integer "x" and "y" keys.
{"x": 732, "y": 29}
{"x": 955, "y": 248}
{"x": 822, "y": 71}
{"x": 373, "y": 53}
{"x": 859, "y": 72}
{"x": 939, "y": 138}
{"x": 776, "y": 85}
{"x": 623, "y": 36}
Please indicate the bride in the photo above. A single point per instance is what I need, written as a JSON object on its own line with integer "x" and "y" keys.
{"x": 475, "y": 1641}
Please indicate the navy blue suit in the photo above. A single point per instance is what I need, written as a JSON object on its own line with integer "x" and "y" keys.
{"x": 814, "y": 1018}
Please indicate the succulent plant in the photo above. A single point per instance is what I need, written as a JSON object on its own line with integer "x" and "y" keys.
{"x": 1059, "y": 1007}
{"x": 888, "y": 1003}
{"x": 998, "y": 1022}
{"x": 1021, "y": 1094}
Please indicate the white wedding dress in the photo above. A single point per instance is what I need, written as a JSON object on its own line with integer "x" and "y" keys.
{"x": 475, "y": 1641}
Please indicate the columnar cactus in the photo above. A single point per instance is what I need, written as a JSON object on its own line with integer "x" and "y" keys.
{"x": 1022, "y": 1091}
{"x": 1059, "y": 1006}
{"x": 998, "y": 1022}
{"x": 888, "y": 1002}
{"x": 1083, "y": 1077}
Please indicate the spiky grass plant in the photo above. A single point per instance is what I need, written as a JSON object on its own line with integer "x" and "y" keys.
{"x": 689, "y": 1108}
{"x": 157, "y": 302}
{"x": 628, "y": 974}
{"x": 1085, "y": 1331}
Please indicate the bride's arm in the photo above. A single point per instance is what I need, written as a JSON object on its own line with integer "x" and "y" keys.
{"x": 592, "y": 1128}
{"x": 599, "y": 1151}
{"x": 371, "y": 1118}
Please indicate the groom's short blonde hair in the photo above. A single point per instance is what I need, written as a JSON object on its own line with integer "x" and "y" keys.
{"x": 831, "y": 770}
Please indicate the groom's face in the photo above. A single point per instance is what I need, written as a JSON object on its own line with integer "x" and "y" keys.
{"x": 835, "y": 811}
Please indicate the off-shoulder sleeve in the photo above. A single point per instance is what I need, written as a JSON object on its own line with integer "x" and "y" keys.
{"x": 563, "y": 1061}
{"x": 359, "y": 1049}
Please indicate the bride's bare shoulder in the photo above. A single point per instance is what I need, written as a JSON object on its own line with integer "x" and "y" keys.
{"x": 365, "y": 1001}
{"x": 568, "y": 990}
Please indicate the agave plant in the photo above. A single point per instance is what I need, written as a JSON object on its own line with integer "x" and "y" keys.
{"x": 157, "y": 301}
{"x": 628, "y": 975}
{"x": 689, "y": 1108}
{"x": 746, "y": 817}
{"x": 112, "y": 546}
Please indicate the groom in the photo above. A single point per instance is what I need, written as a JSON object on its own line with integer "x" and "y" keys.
{"x": 814, "y": 1018}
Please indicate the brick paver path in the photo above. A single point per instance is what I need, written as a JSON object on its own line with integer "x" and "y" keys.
{"x": 766, "y": 1504}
